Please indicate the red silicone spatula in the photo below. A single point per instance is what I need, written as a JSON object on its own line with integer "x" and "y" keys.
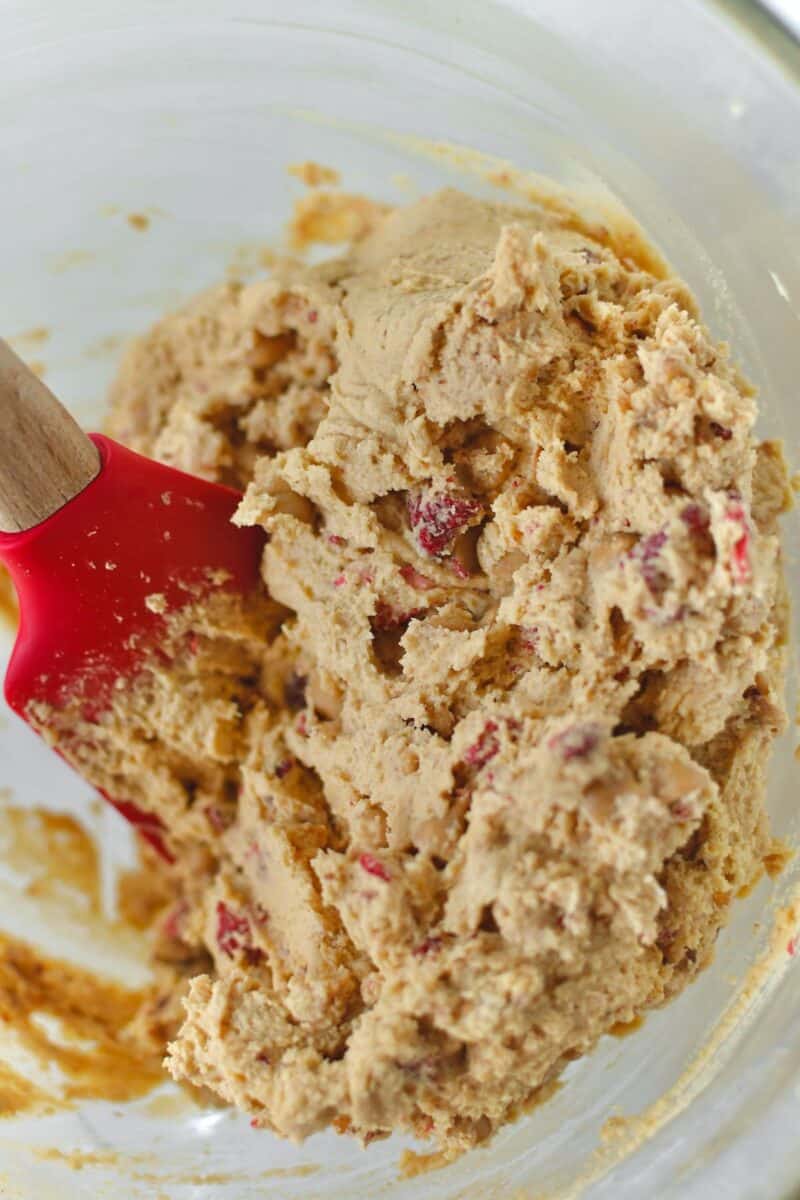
{"x": 89, "y": 530}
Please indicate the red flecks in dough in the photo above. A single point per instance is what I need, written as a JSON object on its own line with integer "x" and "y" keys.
{"x": 340, "y": 580}
{"x": 695, "y": 517}
{"x": 336, "y": 540}
{"x": 793, "y": 946}
{"x": 647, "y": 552}
{"x": 415, "y": 578}
{"x": 217, "y": 818}
{"x": 430, "y": 945}
{"x": 437, "y": 517}
{"x": 374, "y": 866}
{"x": 740, "y": 555}
{"x": 576, "y": 742}
{"x": 387, "y": 617}
{"x": 173, "y": 922}
{"x": 233, "y": 934}
{"x": 283, "y": 768}
{"x": 720, "y": 431}
{"x": 665, "y": 938}
{"x": 485, "y": 748}
{"x": 681, "y": 811}
{"x": 529, "y": 637}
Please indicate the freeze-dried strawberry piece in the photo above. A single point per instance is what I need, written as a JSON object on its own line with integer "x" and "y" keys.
{"x": 387, "y": 617}
{"x": 373, "y": 866}
{"x": 336, "y": 540}
{"x": 665, "y": 938}
{"x": 720, "y": 431}
{"x": 283, "y": 768}
{"x": 430, "y": 945}
{"x": 218, "y": 818}
{"x": 438, "y": 517}
{"x": 576, "y": 742}
{"x": 793, "y": 947}
{"x": 646, "y": 552}
{"x": 695, "y": 517}
{"x": 233, "y": 934}
{"x": 415, "y": 578}
{"x": 174, "y": 920}
{"x": 740, "y": 555}
{"x": 484, "y": 748}
{"x": 528, "y": 637}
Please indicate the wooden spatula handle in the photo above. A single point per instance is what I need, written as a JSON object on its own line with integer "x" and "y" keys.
{"x": 45, "y": 457}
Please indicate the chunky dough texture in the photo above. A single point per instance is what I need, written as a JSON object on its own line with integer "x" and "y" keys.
{"x": 481, "y": 782}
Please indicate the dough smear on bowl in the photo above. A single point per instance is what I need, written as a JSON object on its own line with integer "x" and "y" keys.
{"x": 479, "y": 779}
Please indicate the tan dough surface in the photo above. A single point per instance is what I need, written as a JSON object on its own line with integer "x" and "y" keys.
{"x": 485, "y": 785}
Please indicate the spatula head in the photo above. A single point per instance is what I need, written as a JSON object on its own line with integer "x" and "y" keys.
{"x": 87, "y": 577}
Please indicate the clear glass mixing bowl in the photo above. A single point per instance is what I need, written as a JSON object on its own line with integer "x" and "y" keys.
{"x": 189, "y": 112}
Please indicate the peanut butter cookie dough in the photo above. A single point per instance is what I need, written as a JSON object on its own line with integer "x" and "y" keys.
{"x": 480, "y": 779}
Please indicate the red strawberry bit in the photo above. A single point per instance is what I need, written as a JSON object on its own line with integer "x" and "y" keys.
{"x": 665, "y": 938}
{"x": 740, "y": 555}
{"x": 340, "y": 580}
{"x": 173, "y": 923}
{"x": 218, "y": 819}
{"x": 529, "y": 637}
{"x": 681, "y": 811}
{"x": 265, "y": 1058}
{"x": 193, "y": 642}
{"x": 437, "y": 517}
{"x": 336, "y": 540}
{"x": 695, "y": 518}
{"x": 283, "y": 768}
{"x": 485, "y": 748}
{"x": 233, "y": 933}
{"x": 374, "y": 866}
{"x": 576, "y": 742}
{"x": 459, "y": 569}
{"x": 312, "y": 316}
{"x": 260, "y": 914}
{"x": 720, "y": 431}
{"x": 415, "y": 578}
{"x": 647, "y": 552}
{"x": 387, "y": 617}
{"x": 793, "y": 946}
{"x": 431, "y": 945}
{"x": 301, "y": 725}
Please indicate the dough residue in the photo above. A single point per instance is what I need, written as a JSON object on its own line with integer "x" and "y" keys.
{"x": 479, "y": 782}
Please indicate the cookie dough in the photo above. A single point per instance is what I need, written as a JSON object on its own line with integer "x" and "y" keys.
{"x": 481, "y": 779}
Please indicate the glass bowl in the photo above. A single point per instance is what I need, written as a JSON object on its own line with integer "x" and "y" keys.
{"x": 187, "y": 114}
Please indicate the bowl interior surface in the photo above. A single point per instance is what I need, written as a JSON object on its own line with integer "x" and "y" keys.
{"x": 189, "y": 114}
